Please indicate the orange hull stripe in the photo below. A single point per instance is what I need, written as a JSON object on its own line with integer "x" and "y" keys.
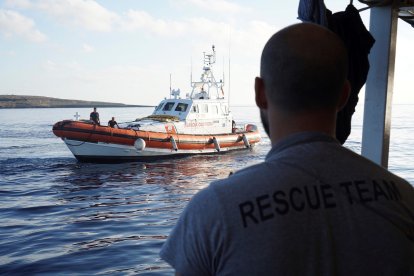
{"x": 93, "y": 133}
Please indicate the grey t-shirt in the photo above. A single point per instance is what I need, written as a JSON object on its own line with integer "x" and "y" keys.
{"x": 312, "y": 208}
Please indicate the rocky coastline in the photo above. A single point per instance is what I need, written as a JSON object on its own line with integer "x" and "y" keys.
{"x": 23, "y": 101}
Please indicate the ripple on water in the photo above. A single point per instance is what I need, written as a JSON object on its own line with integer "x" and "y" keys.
{"x": 70, "y": 217}
{"x": 60, "y": 217}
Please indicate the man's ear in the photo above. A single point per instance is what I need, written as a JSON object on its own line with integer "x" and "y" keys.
{"x": 259, "y": 88}
{"x": 343, "y": 98}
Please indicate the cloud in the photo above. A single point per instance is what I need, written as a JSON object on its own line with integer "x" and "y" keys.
{"x": 87, "y": 48}
{"x": 50, "y": 65}
{"x": 247, "y": 38}
{"x": 85, "y": 13}
{"x": 10, "y": 53}
{"x": 15, "y": 24}
{"x": 90, "y": 15}
{"x": 218, "y": 6}
{"x": 141, "y": 20}
{"x": 63, "y": 68}
{"x": 251, "y": 32}
{"x": 24, "y": 4}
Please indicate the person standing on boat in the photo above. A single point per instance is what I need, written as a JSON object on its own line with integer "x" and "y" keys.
{"x": 233, "y": 126}
{"x": 112, "y": 123}
{"x": 313, "y": 207}
{"x": 94, "y": 117}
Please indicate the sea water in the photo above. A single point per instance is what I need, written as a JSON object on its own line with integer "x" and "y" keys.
{"x": 59, "y": 216}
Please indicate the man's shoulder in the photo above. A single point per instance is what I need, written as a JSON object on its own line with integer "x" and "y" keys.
{"x": 248, "y": 171}
{"x": 254, "y": 175}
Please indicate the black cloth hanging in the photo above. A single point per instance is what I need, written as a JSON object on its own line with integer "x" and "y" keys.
{"x": 312, "y": 11}
{"x": 358, "y": 41}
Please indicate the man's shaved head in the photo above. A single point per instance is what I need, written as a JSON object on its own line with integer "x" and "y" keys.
{"x": 304, "y": 67}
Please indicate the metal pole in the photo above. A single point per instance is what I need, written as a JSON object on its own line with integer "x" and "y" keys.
{"x": 379, "y": 87}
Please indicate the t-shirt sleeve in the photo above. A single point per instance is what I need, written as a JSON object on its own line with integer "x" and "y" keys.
{"x": 197, "y": 235}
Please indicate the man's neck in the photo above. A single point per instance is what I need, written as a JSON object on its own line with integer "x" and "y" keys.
{"x": 282, "y": 125}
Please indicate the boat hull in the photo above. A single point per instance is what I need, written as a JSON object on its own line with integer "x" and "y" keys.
{"x": 92, "y": 143}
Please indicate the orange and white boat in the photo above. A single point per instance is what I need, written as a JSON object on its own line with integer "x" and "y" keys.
{"x": 200, "y": 123}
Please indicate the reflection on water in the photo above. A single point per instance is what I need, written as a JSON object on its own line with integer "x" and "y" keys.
{"x": 71, "y": 217}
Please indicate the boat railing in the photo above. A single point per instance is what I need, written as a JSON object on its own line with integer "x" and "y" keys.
{"x": 160, "y": 118}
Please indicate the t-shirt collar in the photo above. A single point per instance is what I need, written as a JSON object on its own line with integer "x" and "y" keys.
{"x": 299, "y": 138}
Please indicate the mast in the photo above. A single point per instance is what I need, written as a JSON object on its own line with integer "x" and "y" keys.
{"x": 228, "y": 96}
{"x": 207, "y": 85}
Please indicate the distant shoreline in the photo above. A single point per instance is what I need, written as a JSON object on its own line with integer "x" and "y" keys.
{"x": 24, "y": 101}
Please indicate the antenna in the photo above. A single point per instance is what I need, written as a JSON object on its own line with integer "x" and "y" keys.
{"x": 228, "y": 97}
{"x": 222, "y": 80}
{"x": 223, "y": 69}
{"x": 170, "y": 85}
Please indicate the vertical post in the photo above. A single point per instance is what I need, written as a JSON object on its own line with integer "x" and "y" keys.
{"x": 76, "y": 116}
{"x": 379, "y": 87}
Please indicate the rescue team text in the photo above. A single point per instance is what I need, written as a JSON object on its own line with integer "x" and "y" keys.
{"x": 297, "y": 199}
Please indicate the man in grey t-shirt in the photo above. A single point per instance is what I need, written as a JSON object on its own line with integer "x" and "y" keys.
{"x": 313, "y": 207}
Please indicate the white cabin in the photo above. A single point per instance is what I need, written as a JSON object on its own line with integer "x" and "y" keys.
{"x": 197, "y": 116}
{"x": 204, "y": 111}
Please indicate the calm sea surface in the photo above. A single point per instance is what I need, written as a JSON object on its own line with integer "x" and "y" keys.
{"x": 59, "y": 216}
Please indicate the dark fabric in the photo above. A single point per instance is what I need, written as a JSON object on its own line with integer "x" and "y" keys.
{"x": 112, "y": 123}
{"x": 358, "y": 41}
{"x": 95, "y": 117}
{"x": 312, "y": 11}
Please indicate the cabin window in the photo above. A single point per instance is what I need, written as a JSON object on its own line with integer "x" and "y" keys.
{"x": 215, "y": 109}
{"x": 168, "y": 106}
{"x": 204, "y": 108}
{"x": 159, "y": 106}
{"x": 181, "y": 107}
{"x": 194, "y": 109}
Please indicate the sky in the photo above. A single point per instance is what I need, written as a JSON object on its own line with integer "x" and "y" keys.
{"x": 125, "y": 51}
